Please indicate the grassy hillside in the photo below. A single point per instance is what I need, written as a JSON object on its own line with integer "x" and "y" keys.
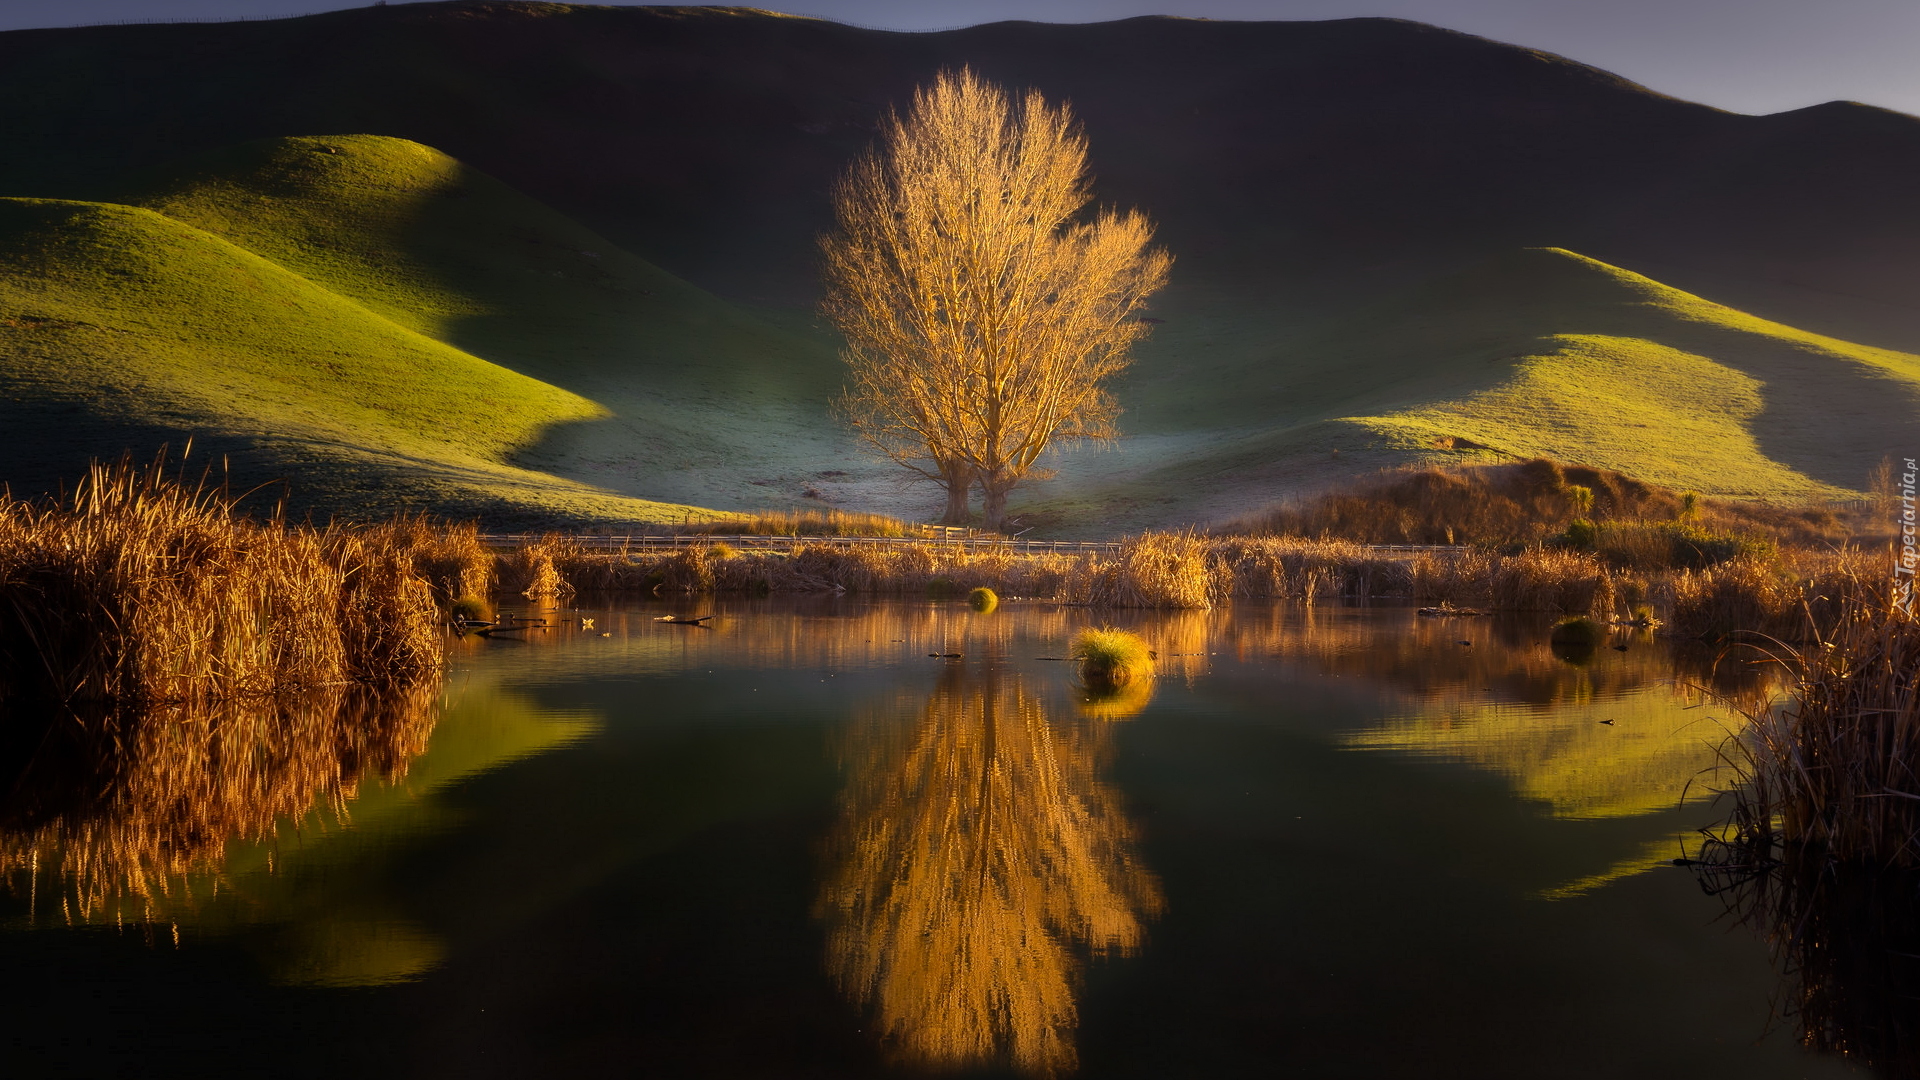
{"x": 1348, "y": 202}
{"x": 1537, "y": 352}
{"x": 1320, "y": 158}
{"x": 120, "y": 328}
{"x": 702, "y": 399}
{"x": 1551, "y": 353}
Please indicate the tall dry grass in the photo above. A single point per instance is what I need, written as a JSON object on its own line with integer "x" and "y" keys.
{"x": 1186, "y": 570}
{"x": 1526, "y": 503}
{"x": 1797, "y": 597}
{"x": 139, "y": 588}
{"x": 807, "y": 522}
{"x": 1153, "y": 570}
{"x": 534, "y": 569}
{"x": 1821, "y": 847}
{"x": 1835, "y": 769}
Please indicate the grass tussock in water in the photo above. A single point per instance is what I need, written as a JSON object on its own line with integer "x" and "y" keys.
{"x": 1111, "y": 658}
{"x": 983, "y": 600}
{"x": 137, "y": 588}
{"x": 1579, "y": 631}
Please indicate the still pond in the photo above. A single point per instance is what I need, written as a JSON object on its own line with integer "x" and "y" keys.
{"x": 1323, "y": 842}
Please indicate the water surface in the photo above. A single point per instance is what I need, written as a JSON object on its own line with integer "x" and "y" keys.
{"x": 1324, "y": 842}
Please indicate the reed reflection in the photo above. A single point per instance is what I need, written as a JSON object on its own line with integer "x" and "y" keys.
{"x": 978, "y": 861}
{"x": 108, "y": 817}
{"x": 1846, "y": 942}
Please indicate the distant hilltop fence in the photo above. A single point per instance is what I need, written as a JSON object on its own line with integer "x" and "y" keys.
{"x": 967, "y": 539}
{"x": 182, "y": 20}
{"x": 200, "y": 19}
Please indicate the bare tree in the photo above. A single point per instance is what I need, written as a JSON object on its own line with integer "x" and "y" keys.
{"x": 980, "y": 318}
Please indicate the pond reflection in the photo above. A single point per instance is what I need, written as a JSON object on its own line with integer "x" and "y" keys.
{"x": 1845, "y": 940}
{"x": 112, "y": 813}
{"x": 271, "y": 819}
{"x": 1622, "y": 731}
{"x": 978, "y": 858}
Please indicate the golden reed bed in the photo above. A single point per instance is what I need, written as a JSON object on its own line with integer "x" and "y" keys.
{"x": 137, "y": 588}
{"x": 1775, "y": 592}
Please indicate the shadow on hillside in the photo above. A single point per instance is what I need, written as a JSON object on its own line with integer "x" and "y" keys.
{"x": 1823, "y": 415}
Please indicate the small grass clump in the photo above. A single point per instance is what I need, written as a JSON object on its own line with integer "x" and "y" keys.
{"x": 1111, "y": 658}
{"x": 983, "y": 600}
{"x": 1578, "y": 631}
{"x": 470, "y": 609}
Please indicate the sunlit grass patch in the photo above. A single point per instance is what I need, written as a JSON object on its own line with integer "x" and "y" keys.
{"x": 1108, "y": 657}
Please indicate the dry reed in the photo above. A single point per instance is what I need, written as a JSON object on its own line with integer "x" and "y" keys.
{"x": 1821, "y": 848}
{"x": 138, "y": 588}
{"x": 807, "y": 522}
{"x": 1527, "y": 502}
{"x": 1772, "y": 593}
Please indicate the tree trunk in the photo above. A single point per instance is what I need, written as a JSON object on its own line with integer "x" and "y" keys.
{"x": 996, "y": 501}
{"x": 958, "y": 480}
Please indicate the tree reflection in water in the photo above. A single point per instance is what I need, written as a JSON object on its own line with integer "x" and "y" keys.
{"x": 979, "y": 857}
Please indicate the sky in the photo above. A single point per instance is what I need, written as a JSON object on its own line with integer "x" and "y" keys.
{"x": 1753, "y": 56}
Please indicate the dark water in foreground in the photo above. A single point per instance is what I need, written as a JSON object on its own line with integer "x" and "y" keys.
{"x": 1322, "y": 844}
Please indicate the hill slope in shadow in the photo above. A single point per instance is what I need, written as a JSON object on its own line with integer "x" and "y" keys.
{"x": 122, "y": 328}
{"x": 703, "y": 399}
{"x": 1373, "y": 221}
{"x": 1535, "y": 352}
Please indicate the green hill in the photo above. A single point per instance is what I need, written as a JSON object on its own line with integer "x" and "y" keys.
{"x": 1537, "y": 352}
{"x": 121, "y": 328}
{"x": 1365, "y": 214}
{"x": 702, "y": 398}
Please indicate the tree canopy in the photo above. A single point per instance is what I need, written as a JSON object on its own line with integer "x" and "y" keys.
{"x": 981, "y": 318}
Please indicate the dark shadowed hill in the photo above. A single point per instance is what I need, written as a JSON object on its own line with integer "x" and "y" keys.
{"x": 1394, "y": 243}
{"x": 1318, "y": 157}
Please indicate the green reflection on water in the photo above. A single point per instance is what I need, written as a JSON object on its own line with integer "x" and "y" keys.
{"x": 980, "y": 854}
{"x": 301, "y": 882}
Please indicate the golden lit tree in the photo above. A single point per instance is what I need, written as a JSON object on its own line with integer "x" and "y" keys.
{"x": 981, "y": 315}
{"x": 979, "y": 857}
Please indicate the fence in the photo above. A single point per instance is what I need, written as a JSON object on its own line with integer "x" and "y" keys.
{"x": 965, "y": 539}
